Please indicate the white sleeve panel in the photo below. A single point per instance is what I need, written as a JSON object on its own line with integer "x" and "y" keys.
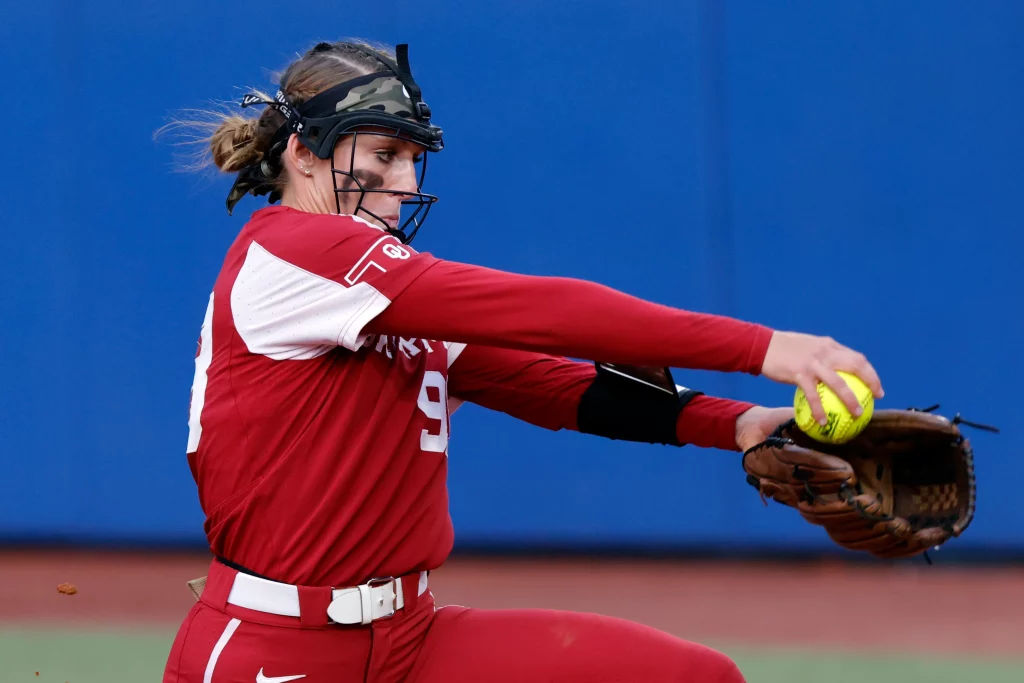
{"x": 454, "y": 350}
{"x": 287, "y": 313}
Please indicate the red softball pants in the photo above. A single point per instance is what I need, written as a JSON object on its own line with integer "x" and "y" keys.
{"x": 222, "y": 643}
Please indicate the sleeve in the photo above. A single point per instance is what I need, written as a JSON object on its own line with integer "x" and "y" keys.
{"x": 567, "y": 317}
{"x": 545, "y": 391}
{"x": 307, "y": 286}
{"x": 539, "y": 389}
{"x": 710, "y": 422}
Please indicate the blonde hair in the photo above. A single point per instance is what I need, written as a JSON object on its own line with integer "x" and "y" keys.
{"x": 233, "y": 141}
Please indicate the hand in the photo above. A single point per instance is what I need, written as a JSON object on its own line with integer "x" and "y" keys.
{"x": 805, "y": 360}
{"x": 755, "y": 425}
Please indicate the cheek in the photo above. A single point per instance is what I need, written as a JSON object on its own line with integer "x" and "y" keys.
{"x": 330, "y": 180}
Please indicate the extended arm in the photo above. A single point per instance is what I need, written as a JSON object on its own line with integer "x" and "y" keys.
{"x": 567, "y": 317}
{"x": 312, "y": 281}
{"x": 556, "y": 393}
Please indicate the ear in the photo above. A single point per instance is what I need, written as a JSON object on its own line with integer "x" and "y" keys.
{"x": 298, "y": 158}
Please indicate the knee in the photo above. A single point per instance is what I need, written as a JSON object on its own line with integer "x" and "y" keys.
{"x": 719, "y": 668}
{"x": 701, "y": 664}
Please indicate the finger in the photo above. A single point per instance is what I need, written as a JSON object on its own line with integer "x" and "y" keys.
{"x": 809, "y": 385}
{"x": 838, "y": 385}
{"x": 857, "y": 364}
{"x": 867, "y": 374}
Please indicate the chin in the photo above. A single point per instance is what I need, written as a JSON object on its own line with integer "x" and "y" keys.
{"x": 373, "y": 221}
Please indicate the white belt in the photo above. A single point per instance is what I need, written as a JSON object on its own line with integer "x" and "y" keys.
{"x": 373, "y": 600}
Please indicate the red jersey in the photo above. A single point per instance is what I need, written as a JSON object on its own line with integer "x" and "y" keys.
{"x": 320, "y": 451}
{"x": 319, "y": 420}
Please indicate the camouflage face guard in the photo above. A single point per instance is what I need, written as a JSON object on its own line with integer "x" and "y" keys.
{"x": 388, "y": 99}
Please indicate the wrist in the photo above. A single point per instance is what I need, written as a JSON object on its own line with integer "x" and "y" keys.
{"x": 743, "y": 423}
{"x": 710, "y": 422}
{"x": 759, "y": 349}
{"x": 756, "y": 424}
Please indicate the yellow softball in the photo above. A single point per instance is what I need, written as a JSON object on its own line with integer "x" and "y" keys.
{"x": 841, "y": 425}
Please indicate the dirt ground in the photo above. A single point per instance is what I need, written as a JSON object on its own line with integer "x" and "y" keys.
{"x": 829, "y": 605}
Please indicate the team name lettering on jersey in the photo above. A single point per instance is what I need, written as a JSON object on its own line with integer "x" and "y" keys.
{"x": 409, "y": 347}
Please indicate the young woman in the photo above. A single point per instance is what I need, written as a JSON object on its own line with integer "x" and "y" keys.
{"x": 330, "y": 357}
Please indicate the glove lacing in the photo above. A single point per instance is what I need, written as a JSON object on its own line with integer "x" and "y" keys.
{"x": 957, "y": 420}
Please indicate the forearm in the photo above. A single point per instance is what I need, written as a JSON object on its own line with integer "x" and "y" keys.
{"x": 557, "y": 393}
{"x": 537, "y": 388}
{"x": 567, "y": 317}
{"x": 710, "y": 422}
{"x": 618, "y": 407}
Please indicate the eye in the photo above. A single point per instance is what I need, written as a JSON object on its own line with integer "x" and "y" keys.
{"x": 417, "y": 159}
{"x": 385, "y": 155}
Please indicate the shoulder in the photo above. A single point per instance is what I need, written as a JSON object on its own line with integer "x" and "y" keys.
{"x": 345, "y": 249}
{"x": 284, "y": 225}
{"x": 320, "y": 240}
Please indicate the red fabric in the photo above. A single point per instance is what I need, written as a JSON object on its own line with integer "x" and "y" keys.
{"x": 511, "y": 646}
{"x": 450, "y": 645}
{"x": 710, "y": 422}
{"x": 323, "y": 466}
{"x": 534, "y": 387}
{"x": 546, "y": 390}
{"x": 311, "y": 471}
{"x": 313, "y": 604}
{"x": 312, "y": 459}
{"x": 567, "y": 317}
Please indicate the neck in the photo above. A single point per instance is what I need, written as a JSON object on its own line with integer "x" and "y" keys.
{"x": 306, "y": 198}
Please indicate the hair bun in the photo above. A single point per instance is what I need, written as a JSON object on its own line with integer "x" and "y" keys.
{"x": 233, "y": 144}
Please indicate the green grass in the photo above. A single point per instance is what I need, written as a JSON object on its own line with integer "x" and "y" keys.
{"x": 83, "y": 656}
{"x": 795, "y": 666}
{"x": 138, "y": 656}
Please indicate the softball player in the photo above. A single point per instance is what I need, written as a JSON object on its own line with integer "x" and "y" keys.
{"x": 330, "y": 357}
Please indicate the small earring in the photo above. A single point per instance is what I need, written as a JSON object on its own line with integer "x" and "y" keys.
{"x": 306, "y": 171}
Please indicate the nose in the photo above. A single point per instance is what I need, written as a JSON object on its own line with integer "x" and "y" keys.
{"x": 405, "y": 179}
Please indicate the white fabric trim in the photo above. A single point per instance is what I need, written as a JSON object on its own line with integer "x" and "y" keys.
{"x": 200, "y": 380}
{"x": 229, "y": 631}
{"x": 361, "y": 220}
{"x": 394, "y": 250}
{"x": 364, "y": 604}
{"x": 264, "y": 595}
{"x": 284, "y": 312}
{"x": 352, "y": 336}
{"x": 348, "y": 605}
{"x": 455, "y": 350}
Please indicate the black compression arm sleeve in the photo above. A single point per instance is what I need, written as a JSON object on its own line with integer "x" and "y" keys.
{"x": 626, "y": 408}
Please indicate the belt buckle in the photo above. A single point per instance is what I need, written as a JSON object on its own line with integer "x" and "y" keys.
{"x": 383, "y": 581}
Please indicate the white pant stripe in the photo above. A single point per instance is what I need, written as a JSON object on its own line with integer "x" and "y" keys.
{"x": 229, "y": 630}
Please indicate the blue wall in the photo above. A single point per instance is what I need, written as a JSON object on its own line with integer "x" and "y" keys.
{"x": 850, "y": 169}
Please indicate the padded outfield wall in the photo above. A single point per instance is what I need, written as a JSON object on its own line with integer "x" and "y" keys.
{"x": 851, "y": 169}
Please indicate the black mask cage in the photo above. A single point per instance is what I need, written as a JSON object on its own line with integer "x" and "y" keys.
{"x": 353, "y": 181}
{"x": 389, "y": 100}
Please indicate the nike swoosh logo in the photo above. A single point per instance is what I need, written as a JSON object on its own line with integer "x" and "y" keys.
{"x": 260, "y": 678}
